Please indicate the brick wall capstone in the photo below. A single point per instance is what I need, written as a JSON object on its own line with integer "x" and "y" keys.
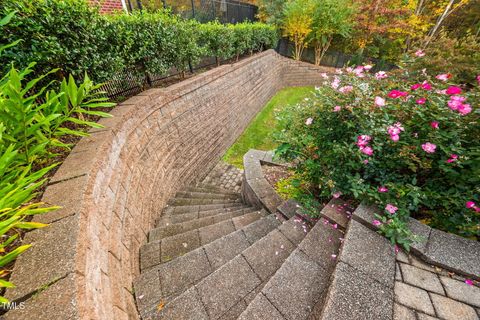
{"x": 114, "y": 184}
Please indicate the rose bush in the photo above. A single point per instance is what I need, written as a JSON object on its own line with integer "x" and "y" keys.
{"x": 407, "y": 142}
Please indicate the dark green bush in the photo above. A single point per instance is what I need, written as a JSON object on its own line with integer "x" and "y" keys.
{"x": 72, "y": 36}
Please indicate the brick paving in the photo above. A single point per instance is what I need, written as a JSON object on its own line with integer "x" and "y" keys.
{"x": 423, "y": 291}
{"x": 225, "y": 176}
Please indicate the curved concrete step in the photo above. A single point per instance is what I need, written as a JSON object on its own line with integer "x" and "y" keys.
{"x": 207, "y": 195}
{"x": 168, "y": 248}
{"x": 225, "y": 293}
{"x": 184, "y": 217}
{"x": 209, "y": 188}
{"x": 365, "y": 273}
{"x": 164, "y": 282}
{"x": 178, "y": 228}
{"x": 197, "y": 208}
{"x": 304, "y": 275}
{"x": 200, "y": 201}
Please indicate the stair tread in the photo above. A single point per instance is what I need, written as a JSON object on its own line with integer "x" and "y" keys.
{"x": 304, "y": 275}
{"x": 206, "y": 195}
{"x": 165, "y": 249}
{"x": 174, "y": 209}
{"x": 227, "y": 287}
{"x": 177, "y": 228}
{"x": 169, "y": 278}
{"x": 184, "y": 217}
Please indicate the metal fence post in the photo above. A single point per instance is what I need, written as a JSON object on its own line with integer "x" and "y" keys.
{"x": 193, "y": 12}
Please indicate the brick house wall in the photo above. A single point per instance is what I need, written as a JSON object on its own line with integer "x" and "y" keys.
{"x": 108, "y": 6}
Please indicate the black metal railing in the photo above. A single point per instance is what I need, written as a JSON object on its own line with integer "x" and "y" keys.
{"x": 332, "y": 58}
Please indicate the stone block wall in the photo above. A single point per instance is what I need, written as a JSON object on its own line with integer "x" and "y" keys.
{"x": 115, "y": 183}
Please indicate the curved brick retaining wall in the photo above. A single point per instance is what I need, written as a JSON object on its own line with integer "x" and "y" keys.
{"x": 114, "y": 184}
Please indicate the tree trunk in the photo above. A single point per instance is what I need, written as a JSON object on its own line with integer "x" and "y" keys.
{"x": 439, "y": 23}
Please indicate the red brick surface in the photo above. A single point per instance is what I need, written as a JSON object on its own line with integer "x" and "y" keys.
{"x": 158, "y": 142}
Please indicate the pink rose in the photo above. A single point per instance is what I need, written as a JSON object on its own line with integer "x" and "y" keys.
{"x": 379, "y": 101}
{"x": 367, "y": 150}
{"x": 421, "y": 101}
{"x": 415, "y": 86}
{"x": 444, "y": 76}
{"x": 434, "y": 124}
{"x": 470, "y": 204}
{"x": 365, "y": 161}
{"x": 395, "y": 137}
{"x": 382, "y": 75}
{"x": 376, "y": 223}
{"x": 363, "y": 140}
{"x": 464, "y": 109}
{"x": 419, "y": 53}
{"x": 391, "y": 208}
{"x": 453, "y": 158}
{"x": 454, "y": 90}
{"x": 382, "y": 189}
{"x": 337, "y": 195}
{"x": 429, "y": 147}
{"x": 337, "y": 108}
{"x": 367, "y": 67}
{"x": 345, "y": 89}
{"x": 397, "y": 94}
{"x": 309, "y": 121}
{"x": 426, "y": 86}
{"x": 478, "y": 79}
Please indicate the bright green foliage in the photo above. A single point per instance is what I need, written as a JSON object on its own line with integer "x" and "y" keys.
{"x": 330, "y": 18}
{"x": 218, "y": 40}
{"x": 72, "y": 37}
{"x": 297, "y": 24}
{"x": 66, "y": 34}
{"x": 322, "y": 135}
{"x": 259, "y": 133}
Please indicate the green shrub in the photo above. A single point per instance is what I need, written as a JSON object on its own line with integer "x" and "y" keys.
{"x": 66, "y": 34}
{"x": 72, "y": 36}
{"x": 218, "y": 40}
{"x": 419, "y": 154}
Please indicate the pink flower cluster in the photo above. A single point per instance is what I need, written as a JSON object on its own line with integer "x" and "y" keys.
{"x": 336, "y": 82}
{"x": 379, "y": 101}
{"x": 394, "y": 131}
{"x": 444, "y": 76}
{"x": 456, "y": 103}
{"x": 397, "y": 94}
{"x": 382, "y": 189}
{"x": 472, "y": 205}
{"x": 424, "y": 85}
{"x": 362, "y": 143}
{"x": 382, "y": 75}
{"x": 345, "y": 89}
{"x": 391, "y": 208}
{"x": 419, "y": 53}
{"x": 429, "y": 147}
{"x": 453, "y": 158}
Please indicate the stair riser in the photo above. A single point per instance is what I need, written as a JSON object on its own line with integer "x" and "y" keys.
{"x": 197, "y": 208}
{"x": 206, "y": 195}
{"x": 189, "y": 202}
{"x": 178, "y": 228}
{"x": 184, "y": 217}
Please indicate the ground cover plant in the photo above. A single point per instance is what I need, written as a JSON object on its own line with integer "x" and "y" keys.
{"x": 259, "y": 133}
{"x": 404, "y": 141}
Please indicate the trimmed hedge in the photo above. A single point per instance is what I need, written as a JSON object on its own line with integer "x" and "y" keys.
{"x": 72, "y": 36}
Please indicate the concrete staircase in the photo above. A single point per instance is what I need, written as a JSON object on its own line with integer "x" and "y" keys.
{"x": 213, "y": 257}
